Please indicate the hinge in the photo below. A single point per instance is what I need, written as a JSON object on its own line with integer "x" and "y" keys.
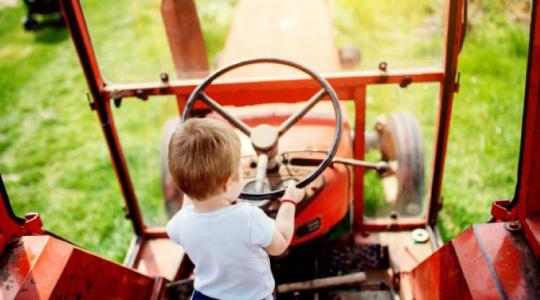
{"x": 91, "y": 102}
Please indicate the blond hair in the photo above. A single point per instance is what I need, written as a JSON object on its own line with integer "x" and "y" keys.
{"x": 203, "y": 154}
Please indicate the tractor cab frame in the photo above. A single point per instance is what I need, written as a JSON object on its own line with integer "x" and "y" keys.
{"x": 402, "y": 264}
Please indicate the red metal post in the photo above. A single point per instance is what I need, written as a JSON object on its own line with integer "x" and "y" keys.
{"x": 249, "y": 91}
{"x": 10, "y": 225}
{"x": 74, "y": 18}
{"x": 358, "y": 152}
{"x": 185, "y": 38}
{"x": 454, "y": 31}
{"x": 528, "y": 200}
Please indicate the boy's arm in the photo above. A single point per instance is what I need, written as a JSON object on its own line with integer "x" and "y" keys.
{"x": 284, "y": 228}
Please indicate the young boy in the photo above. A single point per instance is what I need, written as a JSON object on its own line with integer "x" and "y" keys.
{"x": 228, "y": 244}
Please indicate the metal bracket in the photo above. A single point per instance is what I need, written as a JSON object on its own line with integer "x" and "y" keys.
{"x": 32, "y": 223}
{"x": 500, "y": 211}
{"x": 141, "y": 94}
{"x": 117, "y": 102}
{"x": 405, "y": 82}
{"x": 456, "y": 84}
{"x": 91, "y": 102}
{"x": 383, "y": 67}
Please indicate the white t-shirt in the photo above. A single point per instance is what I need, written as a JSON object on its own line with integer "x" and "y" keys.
{"x": 227, "y": 248}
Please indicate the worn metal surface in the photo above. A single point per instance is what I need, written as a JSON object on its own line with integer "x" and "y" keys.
{"x": 404, "y": 253}
{"x": 485, "y": 262}
{"x": 438, "y": 277}
{"x": 43, "y": 267}
{"x": 160, "y": 257}
{"x": 322, "y": 283}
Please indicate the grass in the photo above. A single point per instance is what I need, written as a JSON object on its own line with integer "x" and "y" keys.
{"x": 53, "y": 158}
{"x": 483, "y": 149}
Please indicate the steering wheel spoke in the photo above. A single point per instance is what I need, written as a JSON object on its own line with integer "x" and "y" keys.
{"x": 262, "y": 165}
{"x": 243, "y": 127}
{"x": 302, "y": 112}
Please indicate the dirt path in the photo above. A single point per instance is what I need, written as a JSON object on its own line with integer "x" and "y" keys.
{"x": 4, "y": 3}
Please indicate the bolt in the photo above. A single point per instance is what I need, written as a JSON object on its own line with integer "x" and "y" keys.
{"x": 383, "y": 66}
{"x": 164, "y": 77}
{"x": 513, "y": 226}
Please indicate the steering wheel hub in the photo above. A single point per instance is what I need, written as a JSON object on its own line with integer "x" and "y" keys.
{"x": 264, "y": 138}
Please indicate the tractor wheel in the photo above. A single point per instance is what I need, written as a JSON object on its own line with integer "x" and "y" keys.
{"x": 401, "y": 145}
{"x": 173, "y": 197}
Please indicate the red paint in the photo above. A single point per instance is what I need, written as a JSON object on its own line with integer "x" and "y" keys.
{"x": 485, "y": 262}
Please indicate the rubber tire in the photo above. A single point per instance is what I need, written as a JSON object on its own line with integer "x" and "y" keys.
{"x": 172, "y": 196}
{"x": 402, "y": 141}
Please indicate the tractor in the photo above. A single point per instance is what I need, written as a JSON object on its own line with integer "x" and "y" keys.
{"x": 301, "y": 115}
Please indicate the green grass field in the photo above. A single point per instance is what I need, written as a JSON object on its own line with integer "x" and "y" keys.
{"x": 54, "y": 160}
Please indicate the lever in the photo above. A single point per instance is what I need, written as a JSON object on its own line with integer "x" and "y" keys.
{"x": 380, "y": 166}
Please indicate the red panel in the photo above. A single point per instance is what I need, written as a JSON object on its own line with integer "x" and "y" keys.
{"x": 96, "y": 278}
{"x": 17, "y": 264}
{"x": 486, "y": 262}
{"x": 43, "y": 267}
{"x": 510, "y": 263}
{"x": 47, "y": 268}
{"x": 475, "y": 269}
{"x": 440, "y": 277}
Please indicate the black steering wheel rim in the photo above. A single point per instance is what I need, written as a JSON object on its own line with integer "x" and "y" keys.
{"x": 195, "y": 95}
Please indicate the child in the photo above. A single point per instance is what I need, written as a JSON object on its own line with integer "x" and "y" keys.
{"x": 228, "y": 244}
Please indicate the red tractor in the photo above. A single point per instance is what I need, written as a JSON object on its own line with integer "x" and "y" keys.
{"x": 294, "y": 128}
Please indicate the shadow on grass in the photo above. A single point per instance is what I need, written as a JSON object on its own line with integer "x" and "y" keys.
{"x": 51, "y": 34}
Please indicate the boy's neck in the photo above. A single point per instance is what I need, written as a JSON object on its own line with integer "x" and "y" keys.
{"x": 212, "y": 203}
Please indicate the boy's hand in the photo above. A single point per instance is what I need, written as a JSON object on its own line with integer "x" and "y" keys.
{"x": 284, "y": 229}
{"x": 293, "y": 193}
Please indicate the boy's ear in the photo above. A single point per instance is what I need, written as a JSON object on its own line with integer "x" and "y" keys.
{"x": 227, "y": 184}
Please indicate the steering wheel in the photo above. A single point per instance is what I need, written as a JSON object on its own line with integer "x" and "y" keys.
{"x": 264, "y": 138}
